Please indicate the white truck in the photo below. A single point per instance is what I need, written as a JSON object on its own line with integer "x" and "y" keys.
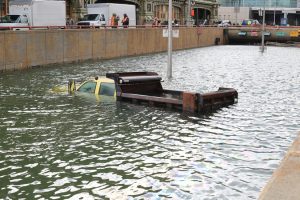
{"x": 100, "y": 14}
{"x": 42, "y": 13}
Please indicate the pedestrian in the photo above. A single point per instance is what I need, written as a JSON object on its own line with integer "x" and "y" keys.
{"x": 125, "y": 21}
{"x": 102, "y": 20}
{"x": 114, "y": 20}
{"x": 155, "y": 22}
{"x": 175, "y": 22}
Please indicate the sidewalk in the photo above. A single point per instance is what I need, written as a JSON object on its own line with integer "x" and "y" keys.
{"x": 285, "y": 181}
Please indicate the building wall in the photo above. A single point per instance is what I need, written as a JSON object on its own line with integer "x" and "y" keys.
{"x": 259, "y": 3}
{"x": 25, "y": 49}
{"x": 148, "y": 9}
{"x": 235, "y": 15}
{"x": 3, "y": 7}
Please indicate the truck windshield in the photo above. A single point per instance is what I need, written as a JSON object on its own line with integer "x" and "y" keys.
{"x": 9, "y": 19}
{"x": 88, "y": 87}
{"x": 107, "y": 89}
{"x": 91, "y": 17}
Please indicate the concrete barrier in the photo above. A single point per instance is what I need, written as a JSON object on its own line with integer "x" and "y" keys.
{"x": 25, "y": 49}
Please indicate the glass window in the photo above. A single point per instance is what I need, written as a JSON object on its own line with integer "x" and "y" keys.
{"x": 107, "y": 89}
{"x": 91, "y": 17}
{"x": 89, "y": 87}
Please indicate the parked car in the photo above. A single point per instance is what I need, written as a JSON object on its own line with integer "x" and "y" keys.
{"x": 250, "y": 22}
{"x": 23, "y": 14}
{"x": 224, "y": 23}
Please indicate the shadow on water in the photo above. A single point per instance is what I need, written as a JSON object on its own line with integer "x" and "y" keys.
{"x": 63, "y": 146}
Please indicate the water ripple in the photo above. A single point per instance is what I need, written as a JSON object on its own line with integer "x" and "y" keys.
{"x": 56, "y": 146}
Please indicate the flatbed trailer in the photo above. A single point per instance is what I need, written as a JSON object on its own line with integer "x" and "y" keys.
{"x": 145, "y": 87}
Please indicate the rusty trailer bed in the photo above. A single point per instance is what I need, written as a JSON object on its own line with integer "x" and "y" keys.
{"x": 145, "y": 87}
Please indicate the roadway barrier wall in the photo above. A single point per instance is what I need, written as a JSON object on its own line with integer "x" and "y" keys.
{"x": 25, "y": 49}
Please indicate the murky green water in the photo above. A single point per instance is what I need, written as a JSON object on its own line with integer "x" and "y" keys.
{"x": 55, "y": 146}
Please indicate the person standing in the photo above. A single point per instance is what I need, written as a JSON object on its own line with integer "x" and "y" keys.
{"x": 125, "y": 21}
{"x": 155, "y": 22}
{"x": 114, "y": 20}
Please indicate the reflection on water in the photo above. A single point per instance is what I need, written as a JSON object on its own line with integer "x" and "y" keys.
{"x": 56, "y": 146}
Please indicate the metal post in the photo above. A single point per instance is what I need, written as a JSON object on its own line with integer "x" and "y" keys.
{"x": 188, "y": 20}
{"x": 263, "y": 30}
{"x": 274, "y": 23}
{"x": 236, "y": 10}
{"x": 169, "y": 71}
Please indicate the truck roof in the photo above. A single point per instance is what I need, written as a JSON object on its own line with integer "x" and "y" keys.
{"x": 22, "y": 2}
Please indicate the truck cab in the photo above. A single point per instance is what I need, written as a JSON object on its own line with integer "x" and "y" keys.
{"x": 98, "y": 86}
{"x": 92, "y": 20}
{"x": 14, "y": 21}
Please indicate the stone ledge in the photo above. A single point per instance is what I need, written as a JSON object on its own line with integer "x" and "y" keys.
{"x": 285, "y": 181}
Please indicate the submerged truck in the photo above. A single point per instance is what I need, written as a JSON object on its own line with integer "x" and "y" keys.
{"x": 100, "y": 14}
{"x": 146, "y": 88}
{"x": 27, "y": 13}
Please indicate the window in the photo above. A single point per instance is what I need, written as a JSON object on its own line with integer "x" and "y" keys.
{"x": 161, "y": 12}
{"x": 89, "y": 87}
{"x": 107, "y": 89}
{"x": 149, "y": 7}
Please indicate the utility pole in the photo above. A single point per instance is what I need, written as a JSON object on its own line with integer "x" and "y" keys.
{"x": 170, "y": 35}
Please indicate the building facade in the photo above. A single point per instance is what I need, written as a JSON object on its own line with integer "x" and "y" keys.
{"x": 3, "y": 7}
{"x": 260, "y": 3}
{"x": 278, "y": 12}
{"x": 147, "y": 10}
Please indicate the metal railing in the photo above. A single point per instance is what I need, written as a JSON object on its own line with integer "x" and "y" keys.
{"x": 76, "y": 27}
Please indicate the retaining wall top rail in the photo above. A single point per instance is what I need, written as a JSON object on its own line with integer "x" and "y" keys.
{"x": 143, "y": 26}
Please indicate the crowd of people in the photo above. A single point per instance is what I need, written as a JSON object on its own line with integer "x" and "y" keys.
{"x": 115, "y": 19}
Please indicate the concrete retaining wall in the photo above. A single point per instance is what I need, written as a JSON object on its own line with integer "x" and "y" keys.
{"x": 24, "y": 49}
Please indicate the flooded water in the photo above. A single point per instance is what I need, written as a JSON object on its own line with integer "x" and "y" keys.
{"x": 56, "y": 146}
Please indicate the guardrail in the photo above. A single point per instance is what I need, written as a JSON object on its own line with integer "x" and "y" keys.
{"x": 137, "y": 26}
{"x": 91, "y": 27}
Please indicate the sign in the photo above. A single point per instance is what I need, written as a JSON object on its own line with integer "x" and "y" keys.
{"x": 242, "y": 33}
{"x": 253, "y": 34}
{"x": 283, "y": 21}
{"x": 294, "y": 34}
{"x": 193, "y": 13}
{"x": 175, "y": 33}
{"x": 280, "y": 34}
